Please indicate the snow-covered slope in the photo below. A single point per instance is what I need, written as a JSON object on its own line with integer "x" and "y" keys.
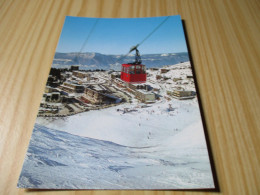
{"x": 155, "y": 146}
{"x": 178, "y": 71}
{"x": 59, "y": 160}
{"x": 142, "y": 127}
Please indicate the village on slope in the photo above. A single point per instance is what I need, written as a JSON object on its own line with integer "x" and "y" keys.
{"x": 72, "y": 91}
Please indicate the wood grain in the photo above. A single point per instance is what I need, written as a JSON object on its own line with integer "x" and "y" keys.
{"x": 224, "y": 41}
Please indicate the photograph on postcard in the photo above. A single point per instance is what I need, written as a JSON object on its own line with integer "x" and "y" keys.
{"x": 119, "y": 110}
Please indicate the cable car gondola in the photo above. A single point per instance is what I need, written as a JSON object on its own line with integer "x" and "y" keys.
{"x": 134, "y": 72}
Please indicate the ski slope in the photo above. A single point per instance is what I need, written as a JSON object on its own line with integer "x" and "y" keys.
{"x": 59, "y": 160}
{"x": 141, "y": 127}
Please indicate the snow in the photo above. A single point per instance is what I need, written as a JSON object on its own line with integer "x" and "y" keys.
{"x": 157, "y": 146}
{"x": 59, "y": 160}
{"x": 177, "y": 71}
{"x": 130, "y": 129}
{"x": 165, "y": 54}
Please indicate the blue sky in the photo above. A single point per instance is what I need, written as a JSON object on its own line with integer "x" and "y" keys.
{"x": 117, "y": 36}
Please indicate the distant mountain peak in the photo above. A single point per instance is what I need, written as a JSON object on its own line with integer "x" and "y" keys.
{"x": 103, "y": 61}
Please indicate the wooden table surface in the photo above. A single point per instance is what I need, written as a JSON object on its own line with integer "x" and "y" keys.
{"x": 224, "y": 39}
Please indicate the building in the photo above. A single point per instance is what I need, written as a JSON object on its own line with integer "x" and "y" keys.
{"x": 177, "y": 79}
{"x": 99, "y": 88}
{"x": 154, "y": 69}
{"x": 72, "y": 88}
{"x": 94, "y": 97}
{"x": 145, "y": 96}
{"x": 74, "y": 67}
{"x": 49, "y": 89}
{"x": 91, "y": 96}
{"x": 115, "y": 75}
{"x": 141, "y": 92}
{"x": 52, "y": 81}
{"x": 136, "y": 86}
{"x": 181, "y": 94}
{"x": 158, "y": 77}
{"x": 52, "y": 97}
{"x": 81, "y": 75}
{"x": 163, "y": 70}
{"x": 48, "y": 111}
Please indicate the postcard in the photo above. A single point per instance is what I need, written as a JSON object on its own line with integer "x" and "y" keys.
{"x": 119, "y": 111}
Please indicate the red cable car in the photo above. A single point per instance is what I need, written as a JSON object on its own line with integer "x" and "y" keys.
{"x": 134, "y": 72}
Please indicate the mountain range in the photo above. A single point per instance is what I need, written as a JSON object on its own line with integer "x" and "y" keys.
{"x": 92, "y": 60}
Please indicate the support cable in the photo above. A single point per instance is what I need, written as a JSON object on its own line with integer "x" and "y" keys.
{"x": 86, "y": 41}
{"x": 150, "y": 34}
